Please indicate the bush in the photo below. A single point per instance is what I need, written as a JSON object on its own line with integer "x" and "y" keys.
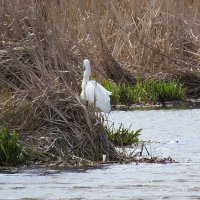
{"x": 12, "y": 151}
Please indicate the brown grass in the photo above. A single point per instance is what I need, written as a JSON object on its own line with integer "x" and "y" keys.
{"x": 56, "y": 124}
{"x": 150, "y": 38}
{"x": 41, "y": 102}
{"x": 122, "y": 38}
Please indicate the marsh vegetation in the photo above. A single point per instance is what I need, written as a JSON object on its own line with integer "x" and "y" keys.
{"x": 146, "y": 91}
{"x": 123, "y": 136}
{"x": 43, "y": 43}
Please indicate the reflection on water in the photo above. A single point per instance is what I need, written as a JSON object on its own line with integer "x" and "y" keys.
{"x": 144, "y": 181}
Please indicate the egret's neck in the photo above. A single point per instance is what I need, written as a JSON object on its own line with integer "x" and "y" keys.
{"x": 87, "y": 70}
{"x": 86, "y": 78}
{"x": 85, "y": 81}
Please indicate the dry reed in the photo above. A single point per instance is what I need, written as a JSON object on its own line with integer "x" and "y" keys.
{"x": 43, "y": 103}
{"x": 122, "y": 38}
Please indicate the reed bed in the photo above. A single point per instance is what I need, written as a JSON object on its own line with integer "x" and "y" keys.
{"x": 42, "y": 44}
{"x": 156, "y": 39}
{"x": 40, "y": 86}
{"x": 56, "y": 125}
{"x": 153, "y": 38}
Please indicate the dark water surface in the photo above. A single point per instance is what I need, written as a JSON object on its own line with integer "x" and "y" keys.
{"x": 177, "y": 134}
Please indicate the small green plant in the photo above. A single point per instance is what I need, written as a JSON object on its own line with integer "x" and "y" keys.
{"x": 123, "y": 136}
{"x": 12, "y": 151}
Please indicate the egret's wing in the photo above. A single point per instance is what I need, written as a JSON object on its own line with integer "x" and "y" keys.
{"x": 95, "y": 93}
{"x": 103, "y": 98}
{"x": 89, "y": 92}
{"x": 104, "y": 90}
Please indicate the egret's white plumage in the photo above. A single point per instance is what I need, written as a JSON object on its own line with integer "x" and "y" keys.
{"x": 93, "y": 92}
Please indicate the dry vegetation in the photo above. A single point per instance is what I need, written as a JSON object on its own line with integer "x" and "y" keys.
{"x": 122, "y": 38}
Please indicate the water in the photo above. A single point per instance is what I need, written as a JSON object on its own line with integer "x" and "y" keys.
{"x": 144, "y": 181}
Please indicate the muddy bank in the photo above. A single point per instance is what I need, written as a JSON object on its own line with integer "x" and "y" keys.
{"x": 85, "y": 165}
{"x": 180, "y": 104}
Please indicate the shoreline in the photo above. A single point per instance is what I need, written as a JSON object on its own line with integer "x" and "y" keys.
{"x": 96, "y": 165}
{"x": 178, "y": 104}
{"x": 80, "y": 163}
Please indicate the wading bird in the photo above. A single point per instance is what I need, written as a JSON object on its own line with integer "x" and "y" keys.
{"x": 93, "y": 92}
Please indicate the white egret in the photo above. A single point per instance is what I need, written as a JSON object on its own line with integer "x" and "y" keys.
{"x": 93, "y": 92}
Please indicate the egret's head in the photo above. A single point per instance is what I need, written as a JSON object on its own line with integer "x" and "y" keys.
{"x": 86, "y": 64}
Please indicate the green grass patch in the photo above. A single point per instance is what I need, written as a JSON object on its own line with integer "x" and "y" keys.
{"x": 145, "y": 91}
{"x": 123, "y": 136}
{"x": 12, "y": 151}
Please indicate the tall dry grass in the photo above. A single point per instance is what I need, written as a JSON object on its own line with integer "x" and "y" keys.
{"x": 156, "y": 38}
{"x": 150, "y": 38}
{"x": 37, "y": 99}
{"x": 122, "y": 38}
